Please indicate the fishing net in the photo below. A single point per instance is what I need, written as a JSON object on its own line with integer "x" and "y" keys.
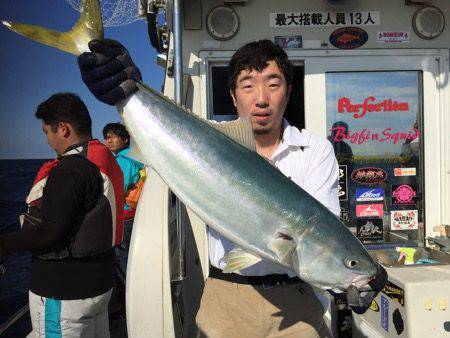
{"x": 114, "y": 12}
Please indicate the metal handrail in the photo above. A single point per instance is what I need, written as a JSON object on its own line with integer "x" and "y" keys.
{"x": 14, "y": 318}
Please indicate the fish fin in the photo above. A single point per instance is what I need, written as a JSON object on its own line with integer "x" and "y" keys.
{"x": 238, "y": 130}
{"x": 238, "y": 259}
{"x": 88, "y": 27}
{"x": 283, "y": 245}
{"x": 136, "y": 153}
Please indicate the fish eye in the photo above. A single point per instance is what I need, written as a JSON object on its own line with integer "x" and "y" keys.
{"x": 351, "y": 263}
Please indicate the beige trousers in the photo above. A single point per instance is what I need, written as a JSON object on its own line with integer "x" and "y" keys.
{"x": 235, "y": 310}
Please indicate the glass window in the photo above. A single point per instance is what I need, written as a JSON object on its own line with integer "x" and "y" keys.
{"x": 374, "y": 123}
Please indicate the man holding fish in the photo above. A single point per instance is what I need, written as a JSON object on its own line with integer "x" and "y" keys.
{"x": 283, "y": 221}
{"x": 260, "y": 79}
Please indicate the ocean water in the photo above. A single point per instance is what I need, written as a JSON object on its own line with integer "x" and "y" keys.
{"x": 16, "y": 178}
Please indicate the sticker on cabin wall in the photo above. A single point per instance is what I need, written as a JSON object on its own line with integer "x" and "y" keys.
{"x": 384, "y": 318}
{"x": 374, "y": 306}
{"x": 342, "y": 184}
{"x": 404, "y": 194}
{"x": 394, "y": 292}
{"x": 404, "y": 220}
{"x": 393, "y": 37}
{"x": 369, "y": 175}
{"x": 369, "y": 194}
{"x": 289, "y": 41}
{"x": 369, "y": 210}
{"x": 364, "y": 135}
{"x": 344, "y": 216}
{"x": 321, "y": 19}
{"x": 404, "y": 171}
{"x": 371, "y": 104}
{"x": 369, "y": 229}
{"x": 349, "y": 37}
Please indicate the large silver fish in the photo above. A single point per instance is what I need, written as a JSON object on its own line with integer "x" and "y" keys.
{"x": 233, "y": 189}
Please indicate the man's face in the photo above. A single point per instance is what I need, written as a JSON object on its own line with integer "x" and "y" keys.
{"x": 115, "y": 143}
{"x": 56, "y": 139}
{"x": 262, "y": 97}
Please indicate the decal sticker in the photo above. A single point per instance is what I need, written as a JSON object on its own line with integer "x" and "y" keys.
{"x": 394, "y": 292}
{"x": 404, "y": 220}
{"x": 369, "y": 175}
{"x": 321, "y": 19}
{"x": 344, "y": 216}
{"x": 344, "y": 323}
{"x": 367, "y": 135}
{"x": 348, "y": 37}
{"x": 374, "y": 306}
{"x": 385, "y": 313}
{"x": 404, "y": 171}
{"x": 393, "y": 37}
{"x": 404, "y": 194}
{"x": 342, "y": 185}
{"x": 369, "y": 210}
{"x": 289, "y": 41}
{"x": 369, "y": 194}
{"x": 397, "y": 319}
{"x": 370, "y": 105}
{"x": 369, "y": 229}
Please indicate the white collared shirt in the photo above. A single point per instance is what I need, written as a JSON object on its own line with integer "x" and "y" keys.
{"x": 309, "y": 161}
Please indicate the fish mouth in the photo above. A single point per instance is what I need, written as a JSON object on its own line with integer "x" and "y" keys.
{"x": 363, "y": 290}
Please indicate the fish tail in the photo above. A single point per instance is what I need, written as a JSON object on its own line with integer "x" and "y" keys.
{"x": 75, "y": 41}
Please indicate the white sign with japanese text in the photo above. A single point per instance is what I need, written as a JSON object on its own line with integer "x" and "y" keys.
{"x": 322, "y": 19}
{"x": 393, "y": 37}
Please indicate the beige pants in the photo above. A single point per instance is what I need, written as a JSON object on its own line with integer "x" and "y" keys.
{"x": 235, "y": 310}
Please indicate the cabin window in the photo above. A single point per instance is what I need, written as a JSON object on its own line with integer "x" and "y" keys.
{"x": 224, "y": 110}
{"x": 374, "y": 122}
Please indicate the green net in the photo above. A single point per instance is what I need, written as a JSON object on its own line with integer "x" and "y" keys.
{"x": 114, "y": 12}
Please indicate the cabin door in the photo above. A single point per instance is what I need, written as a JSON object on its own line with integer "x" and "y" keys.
{"x": 386, "y": 113}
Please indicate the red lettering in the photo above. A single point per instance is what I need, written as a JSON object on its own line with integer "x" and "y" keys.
{"x": 343, "y": 103}
{"x": 370, "y": 105}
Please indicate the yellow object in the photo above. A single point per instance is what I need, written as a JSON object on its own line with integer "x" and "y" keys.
{"x": 443, "y": 304}
{"x": 408, "y": 253}
{"x": 428, "y": 304}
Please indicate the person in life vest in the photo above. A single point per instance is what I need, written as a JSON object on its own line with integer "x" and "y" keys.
{"x": 73, "y": 223}
{"x": 117, "y": 139}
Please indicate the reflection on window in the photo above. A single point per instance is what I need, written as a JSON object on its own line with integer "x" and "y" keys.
{"x": 374, "y": 124}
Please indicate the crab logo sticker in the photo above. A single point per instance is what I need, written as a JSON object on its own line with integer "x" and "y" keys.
{"x": 348, "y": 37}
{"x": 404, "y": 220}
{"x": 369, "y": 175}
{"x": 404, "y": 194}
{"x": 342, "y": 185}
{"x": 369, "y": 210}
{"x": 369, "y": 194}
{"x": 369, "y": 229}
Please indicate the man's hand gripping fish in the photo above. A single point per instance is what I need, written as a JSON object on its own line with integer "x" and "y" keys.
{"x": 214, "y": 170}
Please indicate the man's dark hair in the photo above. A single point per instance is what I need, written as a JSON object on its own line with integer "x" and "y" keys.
{"x": 119, "y": 130}
{"x": 68, "y": 108}
{"x": 255, "y": 56}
